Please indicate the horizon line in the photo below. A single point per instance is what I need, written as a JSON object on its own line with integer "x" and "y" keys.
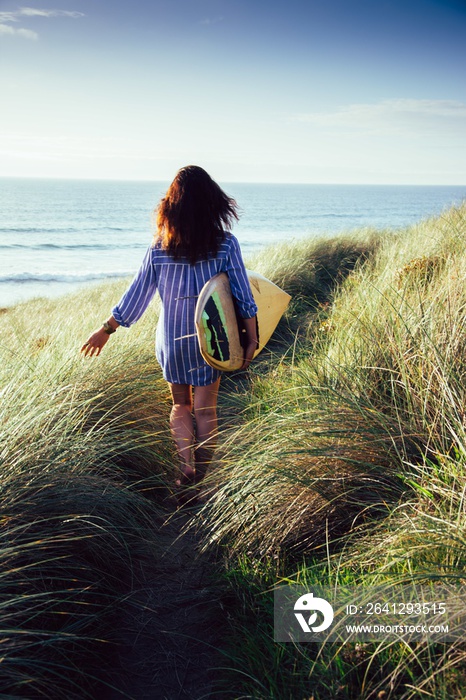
{"x": 238, "y": 182}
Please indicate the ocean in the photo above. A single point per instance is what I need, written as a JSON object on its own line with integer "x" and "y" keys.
{"x": 57, "y": 235}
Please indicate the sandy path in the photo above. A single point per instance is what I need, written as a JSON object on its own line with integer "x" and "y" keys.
{"x": 174, "y": 623}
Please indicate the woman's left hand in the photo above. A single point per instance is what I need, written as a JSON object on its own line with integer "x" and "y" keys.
{"x": 249, "y": 354}
{"x": 250, "y": 326}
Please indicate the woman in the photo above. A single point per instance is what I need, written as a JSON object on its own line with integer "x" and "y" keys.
{"x": 192, "y": 244}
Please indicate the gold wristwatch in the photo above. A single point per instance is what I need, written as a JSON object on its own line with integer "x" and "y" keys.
{"x": 108, "y": 328}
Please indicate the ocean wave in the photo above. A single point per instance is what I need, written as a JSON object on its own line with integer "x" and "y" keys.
{"x": 72, "y": 246}
{"x": 333, "y": 215}
{"x": 29, "y": 277}
{"x": 81, "y": 230}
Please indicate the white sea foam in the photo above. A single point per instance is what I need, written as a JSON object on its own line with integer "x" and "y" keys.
{"x": 71, "y": 278}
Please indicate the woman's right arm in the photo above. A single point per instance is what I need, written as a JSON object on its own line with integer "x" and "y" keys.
{"x": 129, "y": 309}
{"x": 137, "y": 297}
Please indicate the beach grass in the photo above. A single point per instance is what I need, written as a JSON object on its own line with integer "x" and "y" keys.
{"x": 84, "y": 462}
{"x": 349, "y": 465}
{"x": 341, "y": 459}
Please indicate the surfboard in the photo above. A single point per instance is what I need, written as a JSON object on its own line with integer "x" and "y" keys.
{"x": 219, "y": 329}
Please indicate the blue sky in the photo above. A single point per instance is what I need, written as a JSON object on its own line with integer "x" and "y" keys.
{"x": 337, "y": 91}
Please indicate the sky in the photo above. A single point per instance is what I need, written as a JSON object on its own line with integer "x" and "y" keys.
{"x": 313, "y": 91}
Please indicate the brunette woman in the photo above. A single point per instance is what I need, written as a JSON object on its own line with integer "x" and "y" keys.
{"x": 192, "y": 244}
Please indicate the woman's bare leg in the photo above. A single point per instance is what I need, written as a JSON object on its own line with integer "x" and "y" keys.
{"x": 182, "y": 426}
{"x": 205, "y": 412}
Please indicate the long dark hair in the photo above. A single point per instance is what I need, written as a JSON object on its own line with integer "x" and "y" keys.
{"x": 194, "y": 216}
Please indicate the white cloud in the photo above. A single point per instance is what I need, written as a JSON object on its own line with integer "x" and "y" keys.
{"x": 442, "y": 108}
{"x": 33, "y": 12}
{"x": 5, "y": 29}
{"x": 27, "y": 34}
{"x": 9, "y": 16}
{"x": 394, "y": 115}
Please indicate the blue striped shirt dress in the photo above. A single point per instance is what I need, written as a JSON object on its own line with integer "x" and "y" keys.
{"x": 179, "y": 284}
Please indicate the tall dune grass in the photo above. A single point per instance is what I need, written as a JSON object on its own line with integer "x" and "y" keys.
{"x": 373, "y": 389}
{"x": 85, "y": 453}
{"x": 352, "y": 452}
